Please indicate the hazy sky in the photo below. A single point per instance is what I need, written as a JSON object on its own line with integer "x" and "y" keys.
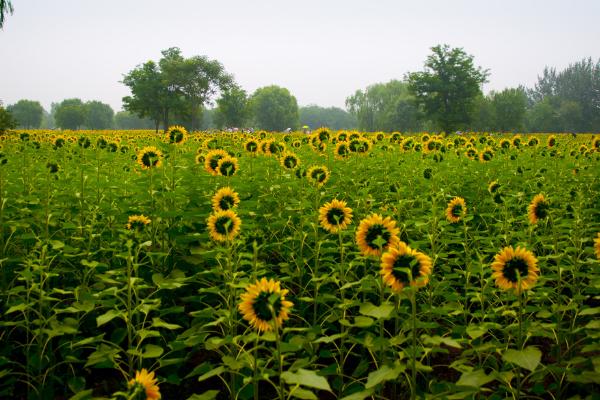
{"x": 322, "y": 51}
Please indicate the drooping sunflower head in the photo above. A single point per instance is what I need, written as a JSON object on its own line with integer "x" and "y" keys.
{"x": 211, "y": 161}
{"x": 538, "y": 209}
{"x": 407, "y": 144}
{"x": 323, "y": 134}
{"x": 516, "y": 141}
{"x": 224, "y": 225}
{"x": 318, "y": 175}
{"x": 137, "y": 222}
{"x": 177, "y": 135}
{"x": 289, "y": 160}
{"x": 144, "y": 383}
{"x": 264, "y": 305}
{"x": 59, "y": 142}
{"x": 341, "y": 136}
{"x": 149, "y": 157}
{"x": 225, "y": 199}
{"x": 227, "y": 166}
{"x": 457, "y": 210}
{"x": 276, "y": 148}
{"x": 335, "y": 216}
{"x": 471, "y": 153}
{"x": 515, "y": 269}
{"x": 505, "y": 143}
{"x": 251, "y": 145}
{"x": 402, "y": 266}
{"x": 533, "y": 141}
{"x": 432, "y": 145}
{"x": 84, "y": 142}
{"x": 375, "y": 234}
{"x": 551, "y": 141}
{"x": 597, "y": 246}
{"x": 493, "y": 187}
{"x": 342, "y": 150}
{"x": 486, "y": 154}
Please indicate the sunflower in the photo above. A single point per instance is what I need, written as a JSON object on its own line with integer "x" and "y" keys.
{"x": 433, "y": 144}
{"x": 58, "y": 142}
{"x": 224, "y": 225}
{"x": 341, "y": 136}
{"x": 316, "y": 144}
{"x": 265, "y": 145}
{"x": 318, "y": 175}
{"x": 200, "y": 159}
{"x": 276, "y": 148}
{"x": 551, "y": 141}
{"x": 177, "y": 135}
{"x": 493, "y": 187}
{"x": 137, "y": 222}
{"x": 149, "y": 157}
{"x": 227, "y": 166}
{"x": 471, "y": 153}
{"x": 398, "y": 260}
{"x": 296, "y": 144}
{"x": 457, "y": 210}
{"x": 538, "y": 209}
{"x": 533, "y": 141}
{"x": 335, "y": 216}
{"x": 264, "y": 305}
{"x": 375, "y": 234}
{"x": 505, "y": 143}
{"x": 225, "y": 199}
{"x": 211, "y": 161}
{"x": 342, "y": 151}
{"x": 486, "y": 154}
{"x": 146, "y": 381}
{"x": 515, "y": 268}
{"x": 323, "y": 134}
{"x": 251, "y": 146}
{"x": 289, "y": 160}
{"x": 597, "y": 246}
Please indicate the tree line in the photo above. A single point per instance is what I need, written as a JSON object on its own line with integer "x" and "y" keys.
{"x": 446, "y": 95}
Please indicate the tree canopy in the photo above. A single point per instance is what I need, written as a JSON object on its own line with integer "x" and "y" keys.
{"x": 98, "y": 115}
{"x": 70, "y": 114}
{"x": 233, "y": 108}
{"x": 6, "y": 119}
{"x": 448, "y": 87}
{"x": 274, "y": 108}
{"x": 27, "y": 113}
{"x": 331, "y": 117}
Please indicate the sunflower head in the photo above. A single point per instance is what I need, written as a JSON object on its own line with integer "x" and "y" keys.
{"x": 538, "y": 209}
{"x": 471, "y": 153}
{"x": 177, "y": 135}
{"x": 335, "y": 216}
{"x": 225, "y": 199}
{"x": 486, "y": 154}
{"x": 457, "y": 210}
{"x": 137, "y": 222}
{"x": 227, "y": 166}
{"x": 144, "y": 383}
{"x": 318, "y": 175}
{"x": 224, "y": 225}
{"x": 211, "y": 161}
{"x": 551, "y": 141}
{"x": 200, "y": 159}
{"x": 375, "y": 234}
{"x": 515, "y": 269}
{"x": 323, "y": 134}
{"x": 264, "y": 305}
{"x": 52, "y": 167}
{"x": 493, "y": 187}
{"x": 289, "y": 160}
{"x": 342, "y": 150}
{"x": 251, "y": 145}
{"x": 402, "y": 266}
{"x": 149, "y": 157}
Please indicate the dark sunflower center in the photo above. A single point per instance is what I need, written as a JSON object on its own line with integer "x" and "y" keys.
{"x": 456, "y": 210}
{"x": 402, "y": 265}
{"x": 137, "y": 225}
{"x": 335, "y": 216}
{"x": 514, "y": 266}
{"x": 227, "y": 168}
{"x": 149, "y": 159}
{"x": 214, "y": 161}
{"x": 223, "y": 225}
{"x": 342, "y": 150}
{"x": 226, "y": 202}
{"x": 318, "y": 175}
{"x": 251, "y": 147}
{"x": 377, "y": 231}
{"x": 176, "y": 137}
{"x": 487, "y": 156}
{"x": 290, "y": 162}
{"x": 541, "y": 210}
{"x": 262, "y": 307}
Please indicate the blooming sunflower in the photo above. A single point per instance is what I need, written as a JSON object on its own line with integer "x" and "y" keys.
{"x": 398, "y": 260}
{"x": 457, "y": 210}
{"x": 318, "y": 175}
{"x": 211, "y": 161}
{"x": 342, "y": 150}
{"x": 200, "y": 159}
{"x": 471, "y": 153}
{"x": 538, "y": 209}
{"x": 597, "y": 246}
{"x": 177, "y": 135}
{"x": 137, "y": 222}
{"x": 149, "y": 157}
{"x": 335, "y": 216}
{"x": 375, "y": 234}
{"x": 289, "y": 160}
{"x": 341, "y": 136}
{"x": 227, "y": 166}
{"x": 146, "y": 381}
{"x": 251, "y": 146}
{"x": 493, "y": 187}
{"x": 323, "y": 134}
{"x": 225, "y": 199}
{"x": 264, "y": 305}
{"x": 505, "y": 143}
{"x": 515, "y": 269}
{"x": 551, "y": 141}
{"x": 224, "y": 225}
{"x": 486, "y": 154}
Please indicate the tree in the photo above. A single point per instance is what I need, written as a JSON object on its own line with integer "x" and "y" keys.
{"x": 385, "y": 107}
{"x": 6, "y": 7}
{"x": 510, "y": 106}
{"x": 484, "y": 115}
{"x": 232, "y": 108}
{"x": 99, "y": 115}
{"x": 127, "y": 120}
{"x": 70, "y": 114}
{"x": 6, "y": 120}
{"x": 448, "y": 87}
{"x": 274, "y": 108}
{"x": 27, "y": 113}
{"x": 331, "y": 117}
{"x": 174, "y": 86}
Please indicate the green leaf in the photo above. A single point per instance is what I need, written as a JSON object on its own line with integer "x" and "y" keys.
{"x": 152, "y": 351}
{"x": 306, "y": 378}
{"x": 159, "y": 323}
{"x": 208, "y": 395}
{"x": 475, "y": 378}
{"x": 211, "y": 373}
{"x": 475, "y": 331}
{"x": 300, "y": 393}
{"x": 107, "y": 317}
{"x": 528, "y": 358}
{"x": 384, "y": 373}
{"x": 83, "y": 395}
{"x": 377, "y": 312}
{"x": 590, "y": 311}
{"x": 362, "y": 395}
{"x": 18, "y": 307}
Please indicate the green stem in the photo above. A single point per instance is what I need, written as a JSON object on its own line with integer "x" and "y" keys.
{"x": 413, "y": 383}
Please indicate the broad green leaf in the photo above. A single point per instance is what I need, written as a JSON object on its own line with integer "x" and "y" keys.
{"x": 476, "y": 378}
{"x": 377, "y": 312}
{"x": 383, "y": 374}
{"x": 18, "y": 307}
{"x": 306, "y": 378}
{"x": 159, "y": 323}
{"x": 152, "y": 351}
{"x": 108, "y": 316}
{"x": 304, "y": 394}
{"x": 211, "y": 373}
{"x": 475, "y": 331}
{"x": 362, "y": 395}
{"x": 528, "y": 358}
{"x": 208, "y": 395}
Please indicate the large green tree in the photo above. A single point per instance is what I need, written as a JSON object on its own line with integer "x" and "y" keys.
{"x": 70, "y": 114}
{"x": 98, "y": 115}
{"x": 510, "y": 106}
{"x": 331, "y": 117}
{"x": 385, "y": 107}
{"x": 232, "y": 108}
{"x": 448, "y": 87}
{"x": 6, "y": 119}
{"x": 127, "y": 120}
{"x": 28, "y": 113}
{"x": 274, "y": 108}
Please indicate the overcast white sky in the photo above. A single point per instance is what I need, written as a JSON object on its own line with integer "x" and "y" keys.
{"x": 322, "y": 51}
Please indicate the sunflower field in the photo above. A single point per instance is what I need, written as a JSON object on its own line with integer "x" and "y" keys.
{"x": 335, "y": 265}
